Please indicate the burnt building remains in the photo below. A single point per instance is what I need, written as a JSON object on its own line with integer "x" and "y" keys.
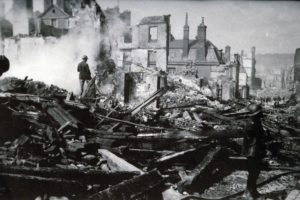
{"x": 199, "y": 53}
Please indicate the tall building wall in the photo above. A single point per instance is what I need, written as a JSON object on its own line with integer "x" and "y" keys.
{"x": 297, "y": 66}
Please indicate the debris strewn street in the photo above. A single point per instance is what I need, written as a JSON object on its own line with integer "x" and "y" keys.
{"x": 93, "y": 107}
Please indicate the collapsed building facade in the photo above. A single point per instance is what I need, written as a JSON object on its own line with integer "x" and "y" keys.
{"x": 145, "y": 55}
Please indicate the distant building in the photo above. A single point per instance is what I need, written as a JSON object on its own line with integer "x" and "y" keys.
{"x": 199, "y": 53}
{"x": 66, "y": 5}
{"x": 111, "y": 14}
{"x": 54, "y": 21}
{"x": 6, "y": 28}
{"x": 248, "y": 63}
{"x": 297, "y": 65}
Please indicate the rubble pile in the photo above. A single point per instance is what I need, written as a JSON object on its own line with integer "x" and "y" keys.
{"x": 60, "y": 146}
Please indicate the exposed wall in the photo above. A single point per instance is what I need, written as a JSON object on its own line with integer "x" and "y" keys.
{"x": 297, "y": 65}
{"x": 60, "y": 23}
{"x": 143, "y": 58}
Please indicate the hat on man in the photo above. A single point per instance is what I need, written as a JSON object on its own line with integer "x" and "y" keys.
{"x": 254, "y": 109}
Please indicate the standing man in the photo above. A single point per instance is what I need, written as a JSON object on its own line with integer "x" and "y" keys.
{"x": 254, "y": 149}
{"x": 84, "y": 73}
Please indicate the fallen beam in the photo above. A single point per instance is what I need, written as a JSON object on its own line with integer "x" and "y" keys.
{"x": 152, "y": 98}
{"x": 195, "y": 177}
{"x": 138, "y": 108}
{"x": 116, "y": 163}
{"x": 75, "y": 105}
{"x": 28, "y": 187}
{"x": 146, "y": 184}
{"x": 84, "y": 176}
{"x": 128, "y": 122}
{"x": 182, "y": 156}
{"x": 22, "y": 97}
{"x": 60, "y": 115}
{"x": 112, "y": 111}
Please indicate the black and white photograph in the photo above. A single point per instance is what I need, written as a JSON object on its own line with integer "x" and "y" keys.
{"x": 149, "y": 100}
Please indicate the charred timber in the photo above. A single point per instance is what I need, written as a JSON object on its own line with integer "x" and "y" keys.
{"x": 140, "y": 186}
{"x": 196, "y": 176}
{"x": 83, "y": 176}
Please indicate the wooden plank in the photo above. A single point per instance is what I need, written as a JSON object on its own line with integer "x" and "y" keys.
{"x": 195, "y": 177}
{"x": 84, "y": 176}
{"x": 118, "y": 163}
{"x": 22, "y": 97}
{"x": 129, "y": 123}
{"x": 140, "y": 186}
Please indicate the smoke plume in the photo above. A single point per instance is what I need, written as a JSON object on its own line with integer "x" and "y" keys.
{"x": 55, "y": 60}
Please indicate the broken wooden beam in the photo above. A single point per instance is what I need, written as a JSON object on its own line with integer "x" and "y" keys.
{"x": 212, "y": 113}
{"x": 186, "y": 156}
{"x": 152, "y": 98}
{"x": 140, "y": 186}
{"x": 75, "y": 105}
{"x": 28, "y": 115}
{"x": 112, "y": 111}
{"x": 29, "y": 187}
{"x": 195, "y": 178}
{"x": 84, "y": 176}
{"x": 116, "y": 163}
{"x": 22, "y": 97}
{"x": 139, "y": 107}
{"x": 60, "y": 115}
{"x": 90, "y": 90}
{"x": 129, "y": 123}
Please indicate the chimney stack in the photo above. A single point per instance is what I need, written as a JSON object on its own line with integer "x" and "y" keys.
{"x": 227, "y": 54}
{"x": 186, "y": 35}
{"x": 253, "y": 49}
{"x": 297, "y": 65}
{"x": 201, "y": 37}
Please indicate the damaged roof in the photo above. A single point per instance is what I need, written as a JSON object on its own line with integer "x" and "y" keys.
{"x": 193, "y": 44}
{"x": 54, "y": 12}
{"x": 153, "y": 20}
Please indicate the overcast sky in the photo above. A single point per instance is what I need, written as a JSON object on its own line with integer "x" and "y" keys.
{"x": 271, "y": 26}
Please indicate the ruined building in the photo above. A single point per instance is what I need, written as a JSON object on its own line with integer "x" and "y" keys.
{"x": 143, "y": 55}
{"x": 199, "y": 53}
{"x": 66, "y": 5}
{"x": 248, "y": 63}
{"x": 6, "y": 28}
{"x": 297, "y": 66}
{"x": 54, "y": 21}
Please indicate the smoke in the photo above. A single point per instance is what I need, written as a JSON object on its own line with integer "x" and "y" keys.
{"x": 55, "y": 60}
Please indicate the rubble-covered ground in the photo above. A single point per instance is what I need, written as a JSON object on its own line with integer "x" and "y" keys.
{"x": 55, "y": 145}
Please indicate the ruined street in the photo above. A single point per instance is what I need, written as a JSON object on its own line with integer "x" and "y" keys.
{"x": 97, "y": 103}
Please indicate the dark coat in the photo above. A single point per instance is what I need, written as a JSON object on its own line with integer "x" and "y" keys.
{"x": 84, "y": 71}
{"x": 254, "y": 142}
